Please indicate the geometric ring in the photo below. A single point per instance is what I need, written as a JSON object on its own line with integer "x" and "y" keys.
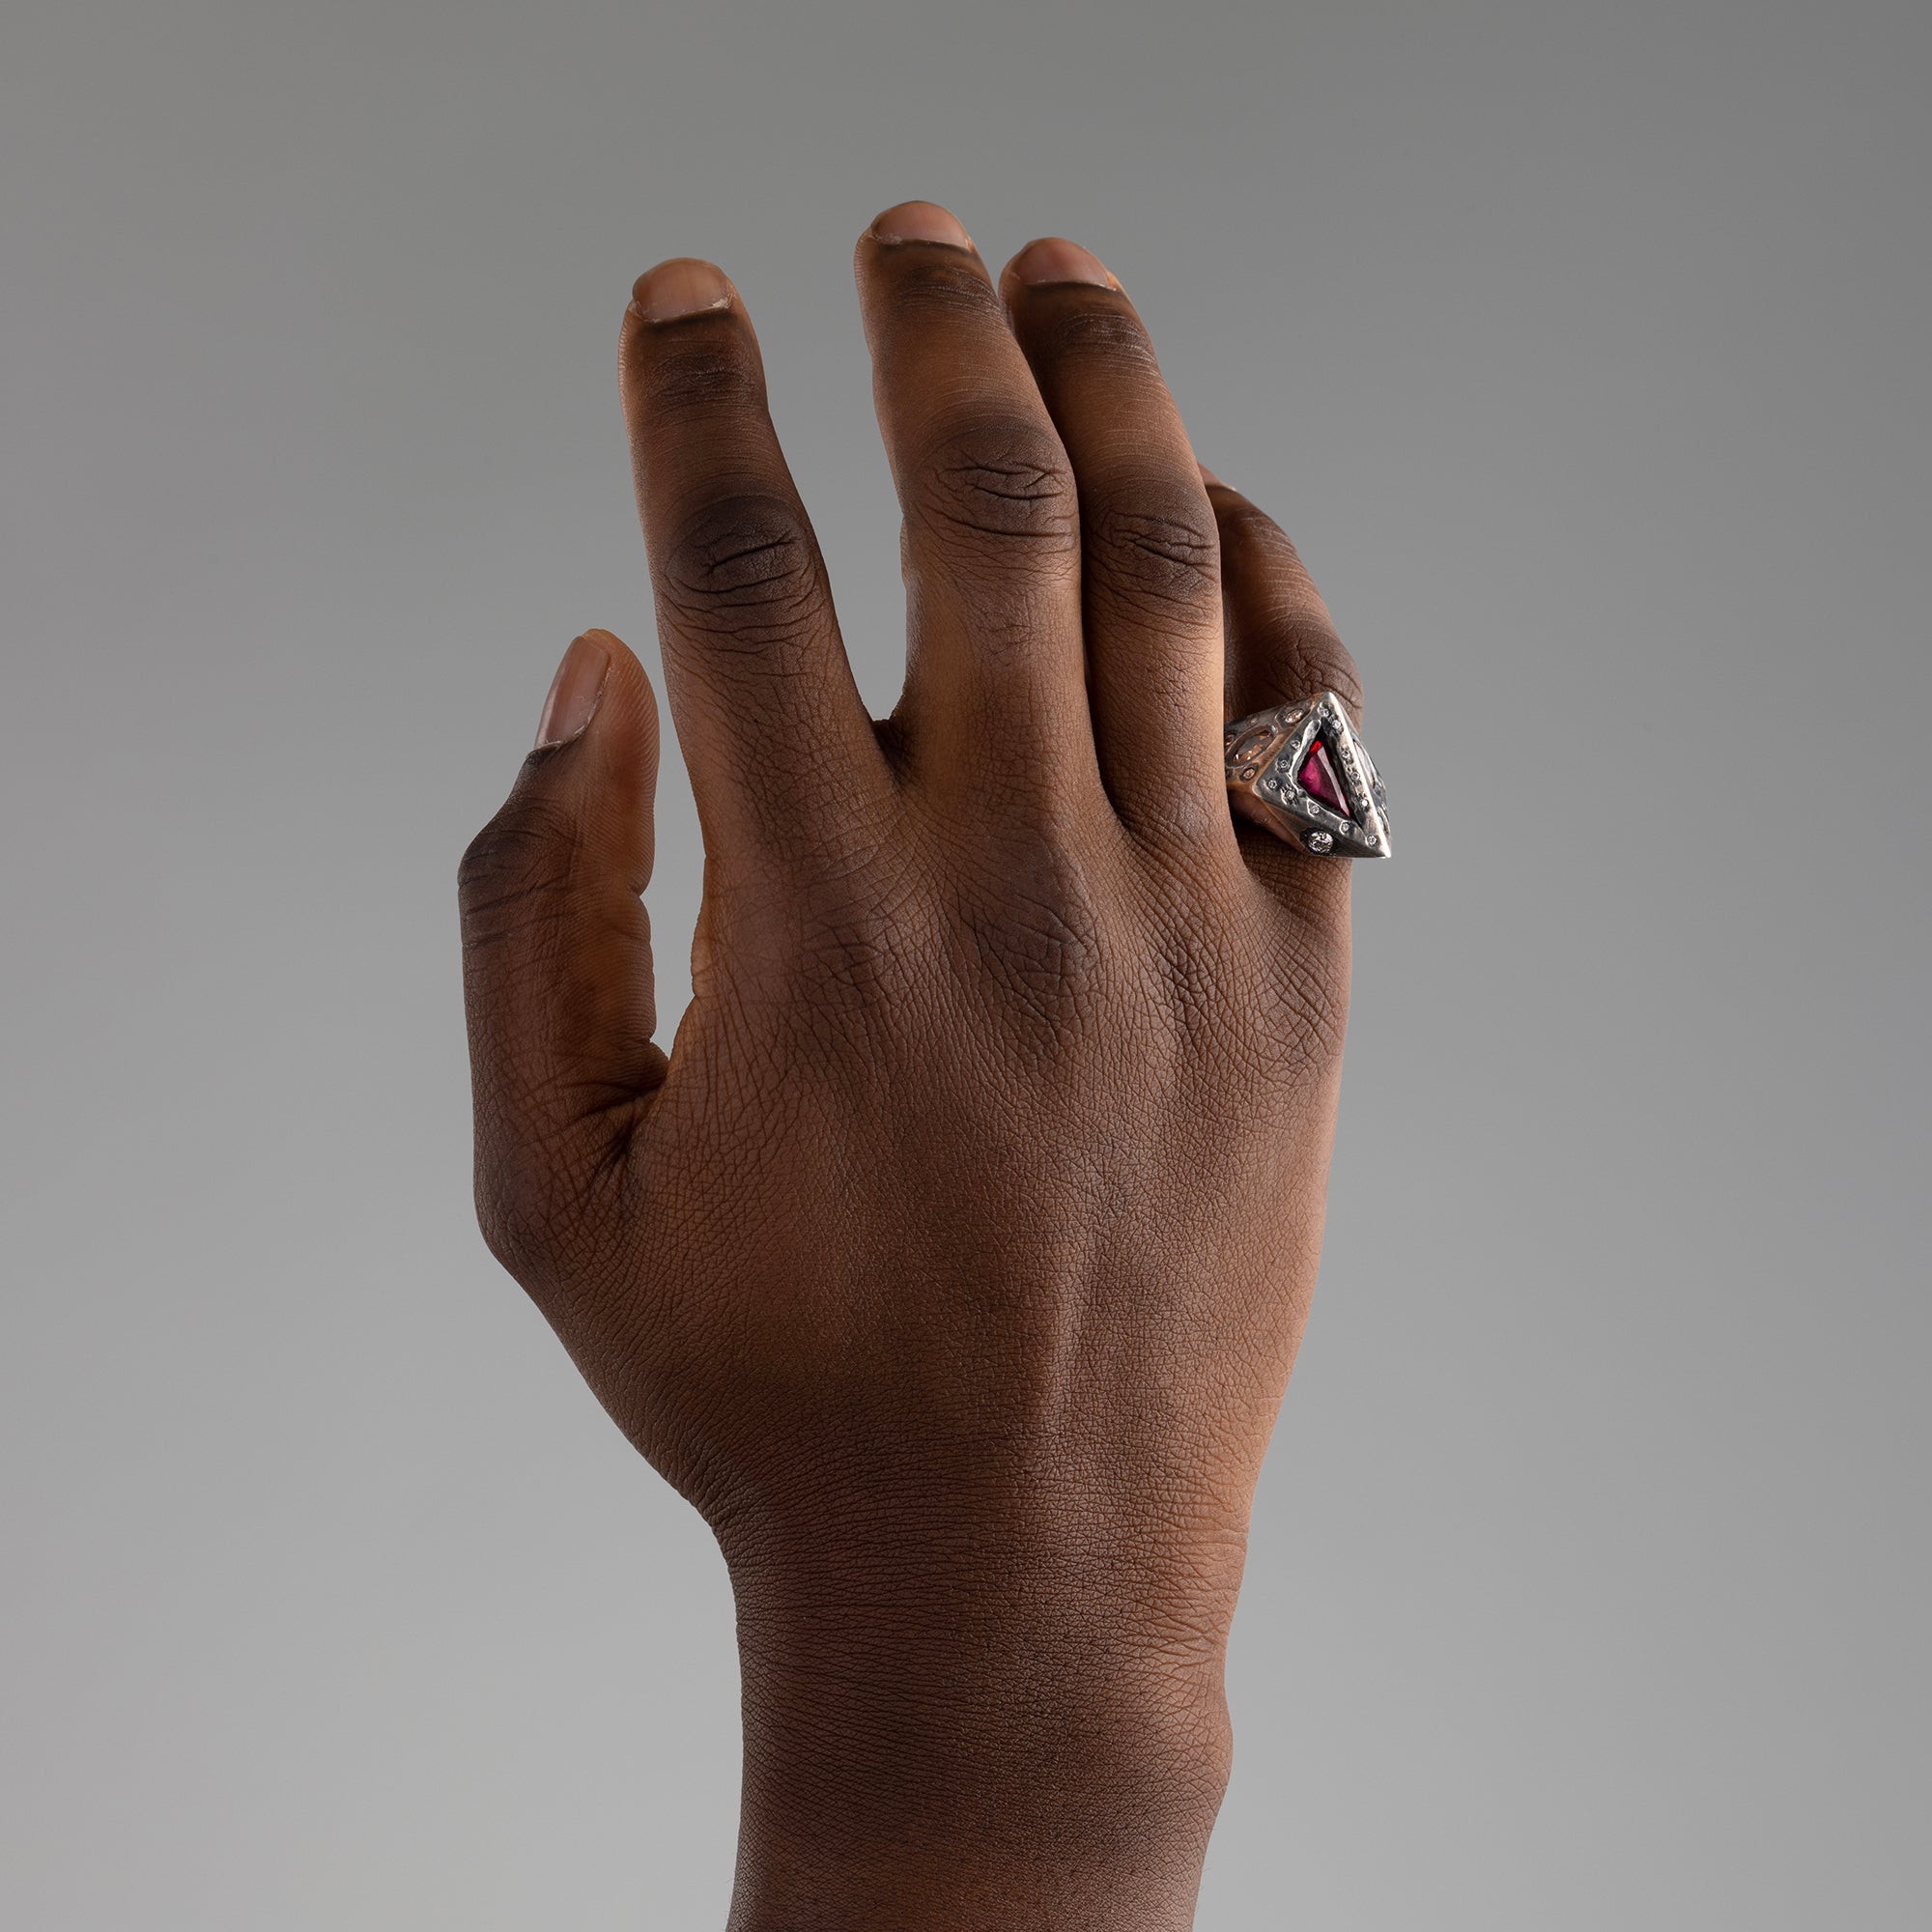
{"x": 1301, "y": 771}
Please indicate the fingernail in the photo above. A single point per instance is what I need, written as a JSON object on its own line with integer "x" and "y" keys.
{"x": 920, "y": 221}
{"x": 1209, "y": 476}
{"x": 680, "y": 287}
{"x": 574, "y": 692}
{"x": 1053, "y": 260}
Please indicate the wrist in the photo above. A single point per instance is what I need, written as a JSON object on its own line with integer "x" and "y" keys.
{"x": 986, "y": 1745}
{"x": 875, "y": 1805}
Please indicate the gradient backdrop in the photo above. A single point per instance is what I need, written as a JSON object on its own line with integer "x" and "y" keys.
{"x": 1585, "y": 350}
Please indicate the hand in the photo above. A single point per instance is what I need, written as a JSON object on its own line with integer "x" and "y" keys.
{"x": 955, "y": 1261}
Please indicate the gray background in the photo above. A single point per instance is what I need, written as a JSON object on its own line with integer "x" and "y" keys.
{"x": 1584, "y": 351}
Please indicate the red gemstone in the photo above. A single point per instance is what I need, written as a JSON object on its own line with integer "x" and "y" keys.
{"x": 1317, "y": 777}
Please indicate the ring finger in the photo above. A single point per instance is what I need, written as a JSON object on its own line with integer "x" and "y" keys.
{"x": 1280, "y": 645}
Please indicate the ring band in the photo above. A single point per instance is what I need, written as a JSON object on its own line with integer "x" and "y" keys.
{"x": 1301, "y": 771}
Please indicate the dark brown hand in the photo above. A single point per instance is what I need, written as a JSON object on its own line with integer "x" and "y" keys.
{"x": 954, "y": 1262}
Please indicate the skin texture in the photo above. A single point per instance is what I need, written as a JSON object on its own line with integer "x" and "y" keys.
{"x": 954, "y": 1262}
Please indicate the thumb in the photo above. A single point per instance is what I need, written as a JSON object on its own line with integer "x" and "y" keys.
{"x": 556, "y": 959}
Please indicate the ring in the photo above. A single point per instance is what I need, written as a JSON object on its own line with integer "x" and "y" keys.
{"x": 1301, "y": 771}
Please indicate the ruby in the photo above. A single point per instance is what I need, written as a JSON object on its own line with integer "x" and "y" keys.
{"x": 1317, "y": 777}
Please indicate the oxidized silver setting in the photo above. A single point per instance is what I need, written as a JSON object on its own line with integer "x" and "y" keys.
{"x": 1267, "y": 756}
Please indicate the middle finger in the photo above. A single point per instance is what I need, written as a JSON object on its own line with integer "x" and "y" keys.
{"x": 995, "y": 701}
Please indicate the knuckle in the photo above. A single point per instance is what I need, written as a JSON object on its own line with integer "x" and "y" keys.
{"x": 745, "y": 568}
{"x": 1264, "y": 974}
{"x": 1194, "y": 970}
{"x": 1106, "y": 333}
{"x": 703, "y": 375}
{"x": 946, "y": 290}
{"x": 1003, "y": 479}
{"x": 547, "y": 1197}
{"x": 1035, "y": 936}
{"x": 1158, "y": 545}
{"x": 1041, "y": 958}
{"x": 848, "y": 933}
{"x": 824, "y": 954}
{"x": 1305, "y": 956}
{"x": 852, "y": 956}
{"x": 521, "y": 861}
{"x": 512, "y": 1217}
{"x": 851, "y": 968}
{"x": 1297, "y": 651}
{"x": 862, "y": 926}
{"x": 520, "y": 1208}
{"x": 1344, "y": 678}
{"x": 1250, "y": 534}
{"x": 1304, "y": 657}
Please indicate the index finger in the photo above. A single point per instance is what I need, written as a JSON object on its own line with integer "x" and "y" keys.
{"x": 782, "y": 753}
